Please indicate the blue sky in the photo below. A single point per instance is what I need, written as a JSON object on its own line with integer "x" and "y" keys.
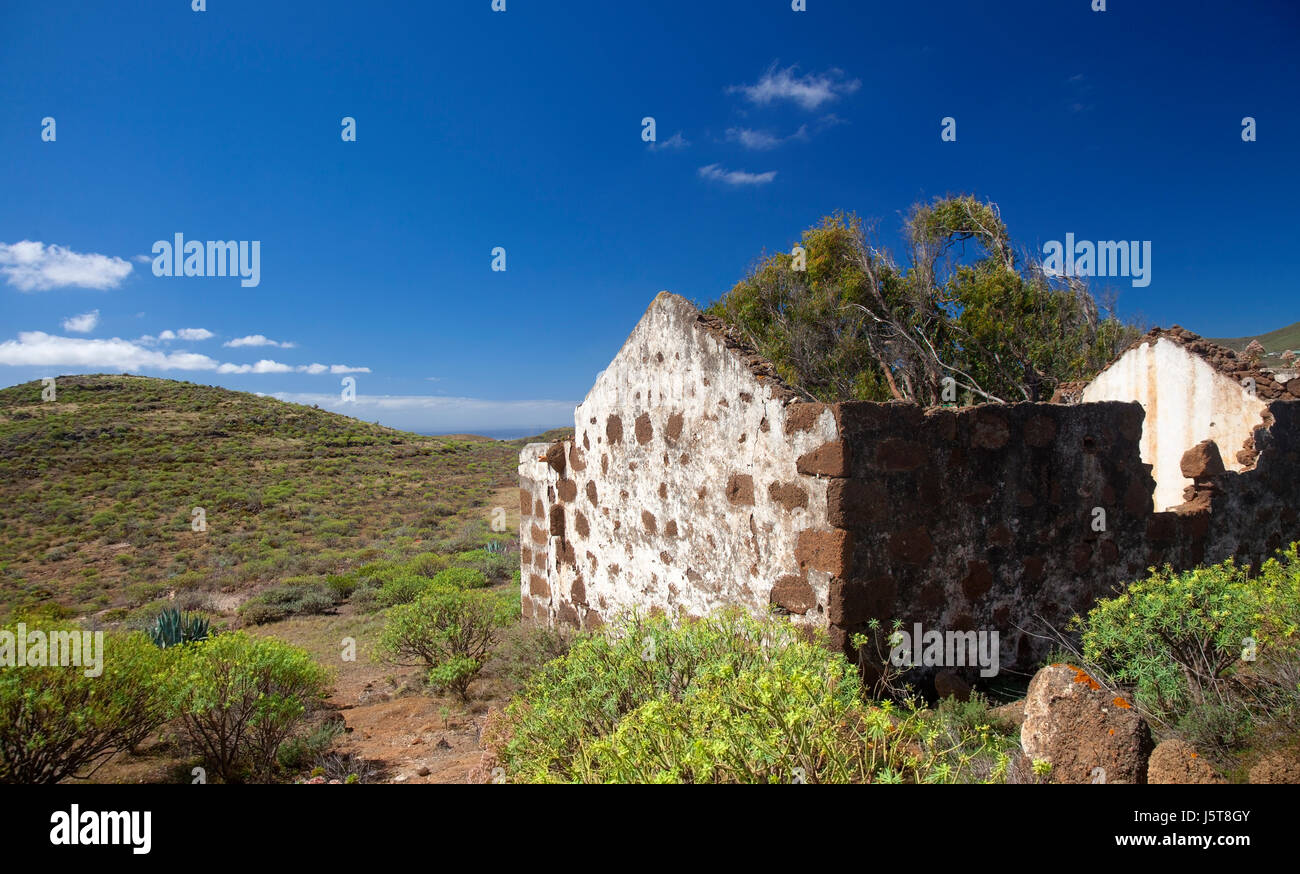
{"x": 522, "y": 129}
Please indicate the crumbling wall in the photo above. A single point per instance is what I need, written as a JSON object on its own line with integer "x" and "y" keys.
{"x": 987, "y": 518}
{"x": 538, "y": 568}
{"x": 684, "y": 489}
{"x": 696, "y": 480}
{"x": 1243, "y": 515}
{"x": 1014, "y": 518}
{"x": 1188, "y": 398}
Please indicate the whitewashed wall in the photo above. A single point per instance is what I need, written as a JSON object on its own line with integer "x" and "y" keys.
{"x": 1186, "y": 401}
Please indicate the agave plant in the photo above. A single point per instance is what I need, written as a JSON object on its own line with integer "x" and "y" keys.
{"x": 172, "y": 627}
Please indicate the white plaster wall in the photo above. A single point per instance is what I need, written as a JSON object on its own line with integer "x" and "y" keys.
{"x": 1186, "y": 401}
{"x": 733, "y": 423}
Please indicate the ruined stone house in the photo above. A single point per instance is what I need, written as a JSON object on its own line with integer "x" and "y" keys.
{"x": 697, "y": 479}
{"x": 1192, "y": 390}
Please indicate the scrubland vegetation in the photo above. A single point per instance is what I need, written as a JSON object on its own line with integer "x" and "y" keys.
{"x": 1212, "y": 655}
{"x": 222, "y": 647}
{"x": 99, "y": 489}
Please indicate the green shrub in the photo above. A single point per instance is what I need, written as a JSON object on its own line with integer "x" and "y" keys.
{"x": 524, "y": 648}
{"x": 426, "y": 565}
{"x": 494, "y": 566}
{"x": 241, "y": 697}
{"x": 254, "y": 612}
{"x": 138, "y": 594}
{"x": 449, "y": 631}
{"x": 1179, "y": 638}
{"x": 366, "y": 600}
{"x": 55, "y": 722}
{"x": 402, "y": 589}
{"x": 342, "y": 585}
{"x": 298, "y": 752}
{"x": 461, "y": 578}
{"x": 724, "y": 699}
{"x": 1213, "y": 653}
{"x": 279, "y": 602}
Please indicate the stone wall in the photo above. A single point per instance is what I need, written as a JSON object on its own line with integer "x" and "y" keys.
{"x": 987, "y": 518}
{"x": 682, "y": 490}
{"x": 1187, "y": 400}
{"x": 1013, "y": 518}
{"x": 696, "y": 479}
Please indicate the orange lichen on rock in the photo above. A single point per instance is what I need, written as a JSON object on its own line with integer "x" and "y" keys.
{"x": 1081, "y": 676}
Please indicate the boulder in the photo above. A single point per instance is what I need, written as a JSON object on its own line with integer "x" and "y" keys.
{"x": 1011, "y": 715}
{"x": 1175, "y": 761}
{"x": 948, "y": 684}
{"x": 1277, "y": 766}
{"x": 1085, "y": 732}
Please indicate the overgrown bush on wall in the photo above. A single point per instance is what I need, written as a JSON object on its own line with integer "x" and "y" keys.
{"x": 853, "y": 323}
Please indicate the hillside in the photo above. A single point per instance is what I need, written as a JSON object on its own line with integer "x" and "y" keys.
{"x": 1274, "y": 342}
{"x": 98, "y": 487}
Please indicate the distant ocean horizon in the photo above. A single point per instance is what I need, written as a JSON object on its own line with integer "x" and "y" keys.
{"x": 496, "y": 433}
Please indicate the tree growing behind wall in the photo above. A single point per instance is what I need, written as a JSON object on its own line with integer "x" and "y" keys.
{"x": 855, "y": 324}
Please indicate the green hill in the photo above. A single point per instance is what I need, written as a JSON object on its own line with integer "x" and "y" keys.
{"x": 1274, "y": 342}
{"x": 98, "y": 490}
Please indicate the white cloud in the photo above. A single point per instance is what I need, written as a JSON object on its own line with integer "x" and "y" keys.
{"x": 33, "y": 266}
{"x": 36, "y": 348}
{"x": 256, "y": 340}
{"x": 809, "y": 91}
{"x": 266, "y": 365}
{"x": 759, "y": 140}
{"x": 82, "y": 324}
{"x": 142, "y": 259}
{"x": 736, "y": 177}
{"x": 192, "y": 334}
{"x": 440, "y": 414}
{"x": 674, "y": 142}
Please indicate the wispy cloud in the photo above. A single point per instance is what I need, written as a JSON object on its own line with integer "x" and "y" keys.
{"x": 809, "y": 91}
{"x": 760, "y": 140}
{"x": 82, "y": 324}
{"x": 266, "y": 365}
{"x": 34, "y": 266}
{"x": 715, "y": 173}
{"x": 1080, "y": 88}
{"x": 188, "y": 334}
{"x": 673, "y": 143}
{"x": 38, "y": 349}
{"x": 257, "y": 340}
